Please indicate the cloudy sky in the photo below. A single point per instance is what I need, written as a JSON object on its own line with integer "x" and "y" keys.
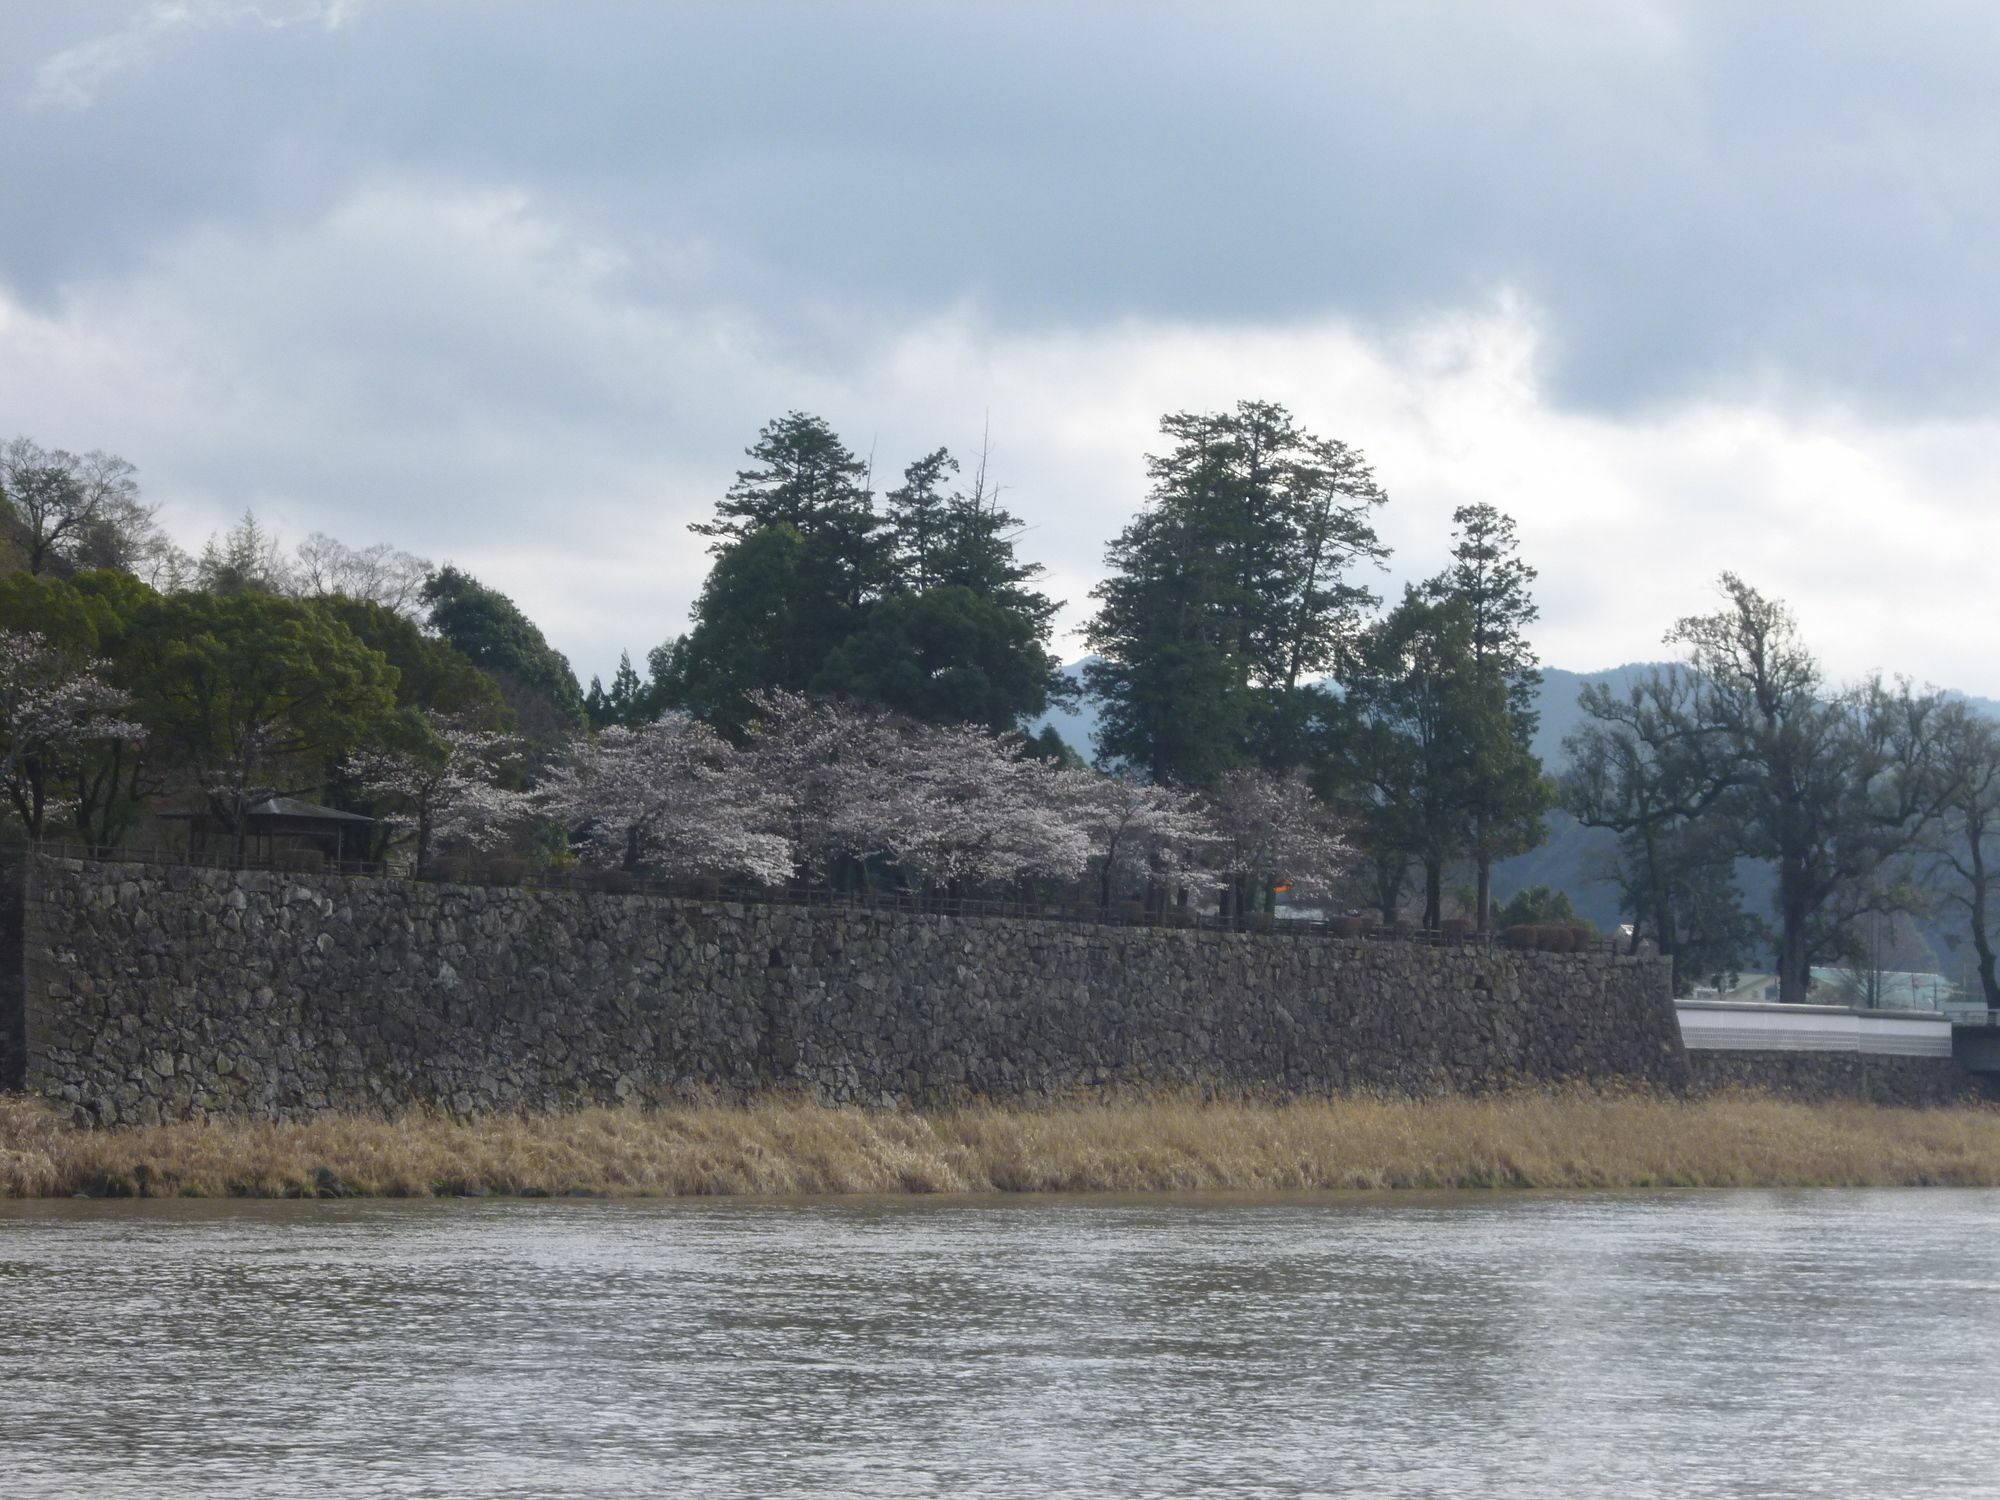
{"x": 1682, "y": 287}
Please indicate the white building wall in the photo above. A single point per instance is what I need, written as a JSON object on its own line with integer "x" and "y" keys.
{"x": 1725, "y": 1025}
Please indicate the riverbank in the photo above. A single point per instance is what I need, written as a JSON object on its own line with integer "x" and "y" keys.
{"x": 776, "y": 1147}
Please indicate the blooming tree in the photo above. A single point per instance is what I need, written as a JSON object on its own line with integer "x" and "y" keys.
{"x": 672, "y": 797}
{"x": 1272, "y": 830}
{"x": 963, "y": 806}
{"x": 1135, "y": 830}
{"x": 950, "y": 805}
{"x": 828, "y": 772}
{"x": 825, "y": 787}
{"x": 54, "y": 708}
{"x": 445, "y": 785}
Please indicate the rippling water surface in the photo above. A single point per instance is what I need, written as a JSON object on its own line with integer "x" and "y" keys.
{"x": 1826, "y": 1344}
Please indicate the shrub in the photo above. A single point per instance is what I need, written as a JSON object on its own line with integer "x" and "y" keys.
{"x": 506, "y": 869}
{"x": 612, "y": 882}
{"x": 1521, "y": 935}
{"x": 1130, "y": 912}
{"x": 1347, "y": 927}
{"x": 1455, "y": 927}
{"x": 299, "y": 859}
{"x": 1536, "y": 906}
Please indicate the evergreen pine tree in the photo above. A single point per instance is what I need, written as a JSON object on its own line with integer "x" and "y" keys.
{"x": 1506, "y": 790}
{"x": 1228, "y": 596}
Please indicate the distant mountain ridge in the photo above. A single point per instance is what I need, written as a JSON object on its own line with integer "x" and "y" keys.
{"x": 1555, "y": 702}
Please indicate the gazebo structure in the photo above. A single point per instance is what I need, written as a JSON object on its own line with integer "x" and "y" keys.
{"x": 278, "y": 825}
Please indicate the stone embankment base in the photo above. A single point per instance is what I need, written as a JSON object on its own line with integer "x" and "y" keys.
{"x": 1871, "y": 1078}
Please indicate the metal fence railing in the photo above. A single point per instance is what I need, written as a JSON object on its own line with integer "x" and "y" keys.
{"x": 513, "y": 873}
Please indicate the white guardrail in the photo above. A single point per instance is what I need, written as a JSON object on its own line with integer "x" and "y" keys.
{"x": 1735, "y": 1025}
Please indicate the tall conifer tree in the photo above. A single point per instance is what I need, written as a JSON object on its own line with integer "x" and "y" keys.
{"x": 1229, "y": 595}
{"x": 1506, "y": 793}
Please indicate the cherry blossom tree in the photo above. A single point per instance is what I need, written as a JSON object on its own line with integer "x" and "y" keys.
{"x": 445, "y": 785}
{"x": 1136, "y": 830}
{"x": 951, "y": 805}
{"x": 1272, "y": 830}
{"x": 54, "y": 708}
{"x": 962, "y": 806}
{"x": 826, "y": 771}
{"x": 673, "y": 798}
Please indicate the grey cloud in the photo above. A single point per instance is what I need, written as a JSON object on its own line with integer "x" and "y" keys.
{"x": 515, "y": 283}
{"x": 1696, "y": 193}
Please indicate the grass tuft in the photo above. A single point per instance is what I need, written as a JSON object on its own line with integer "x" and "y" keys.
{"x": 781, "y": 1146}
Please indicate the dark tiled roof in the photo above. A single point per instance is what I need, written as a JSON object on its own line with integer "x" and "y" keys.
{"x": 284, "y": 807}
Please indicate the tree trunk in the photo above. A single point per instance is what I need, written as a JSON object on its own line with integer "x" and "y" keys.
{"x": 1982, "y": 939}
{"x": 1989, "y": 985}
{"x": 1484, "y": 900}
{"x": 1794, "y": 962}
{"x": 1390, "y": 872}
{"x": 1670, "y": 946}
{"x": 1433, "y": 894}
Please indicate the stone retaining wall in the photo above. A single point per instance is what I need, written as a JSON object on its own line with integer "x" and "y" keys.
{"x": 1870, "y": 1077}
{"x": 164, "y": 993}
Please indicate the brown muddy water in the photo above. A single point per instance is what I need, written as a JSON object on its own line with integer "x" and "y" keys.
{"x": 1822, "y": 1343}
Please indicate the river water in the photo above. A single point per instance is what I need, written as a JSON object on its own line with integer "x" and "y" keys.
{"x": 1748, "y": 1343}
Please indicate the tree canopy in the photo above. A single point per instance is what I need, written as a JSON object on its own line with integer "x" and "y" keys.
{"x": 489, "y": 630}
{"x": 1230, "y": 594}
{"x": 922, "y": 607}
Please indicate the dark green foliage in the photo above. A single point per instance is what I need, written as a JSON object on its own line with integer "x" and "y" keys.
{"x": 920, "y": 520}
{"x": 799, "y": 557}
{"x": 1406, "y": 750}
{"x": 51, "y": 607}
{"x": 930, "y": 613}
{"x": 946, "y": 656}
{"x": 486, "y": 627}
{"x": 629, "y": 701}
{"x": 803, "y": 477}
{"x": 91, "y": 615}
{"x": 1229, "y": 595}
{"x": 431, "y": 674}
{"x": 1505, "y": 790}
{"x": 1536, "y": 904}
{"x": 752, "y": 630}
{"x": 1052, "y": 747}
{"x": 251, "y": 693}
{"x": 1747, "y": 754}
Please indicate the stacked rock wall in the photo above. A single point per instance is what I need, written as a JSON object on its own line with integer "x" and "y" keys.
{"x": 162, "y": 992}
{"x": 1870, "y": 1077}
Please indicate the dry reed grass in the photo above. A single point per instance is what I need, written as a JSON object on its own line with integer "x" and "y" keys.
{"x": 780, "y": 1146}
